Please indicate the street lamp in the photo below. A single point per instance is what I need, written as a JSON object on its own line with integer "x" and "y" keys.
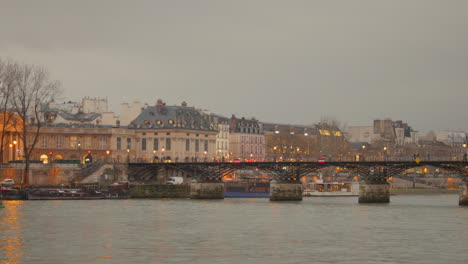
{"x": 79, "y": 151}
{"x": 107, "y": 155}
{"x": 11, "y": 150}
{"x": 204, "y": 152}
{"x": 128, "y": 155}
{"x": 385, "y": 153}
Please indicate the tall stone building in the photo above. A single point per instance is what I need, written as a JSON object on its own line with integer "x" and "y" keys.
{"x": 175, "y": 133}
{"x": 246, "y": 139}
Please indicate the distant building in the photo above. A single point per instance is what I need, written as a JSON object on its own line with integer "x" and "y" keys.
{"x": 451, "y": 138}
{"x": 285, "y": 142}
{"x": 221, "y": 124}
{"x": 176, "y": 133}
{"x": 384, "y": 131}
{"x": 246, "y": 139}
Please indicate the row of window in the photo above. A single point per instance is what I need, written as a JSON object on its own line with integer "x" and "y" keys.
{"x": 252, "y": 149}
{"x": 168, "y": 147}
{"x": 253, "y": 140}
{"x": 73, "y": 142}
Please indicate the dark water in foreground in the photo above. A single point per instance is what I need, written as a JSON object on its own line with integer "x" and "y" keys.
{"x": 411, "y": 229}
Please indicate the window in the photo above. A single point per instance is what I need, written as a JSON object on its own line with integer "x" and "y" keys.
{"x": 168, "y": 134}
{"x": 197, "y": 145}
{"x": 187, "y": 145}
{"x": 143, "y": 144}
{"x": 119, "y": 143}
{"x": 59, "y": 142}
{"x": 44, "y": 142}
{"x": 155, "y": 144}
{"x": 129, "y": 143}
{"x": 168, "y": 144}
{"x": 87, "y": 142}
{"x": 102, "y": 142}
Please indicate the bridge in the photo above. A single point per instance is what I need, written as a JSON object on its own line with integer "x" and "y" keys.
{"x": 286, "y": 186}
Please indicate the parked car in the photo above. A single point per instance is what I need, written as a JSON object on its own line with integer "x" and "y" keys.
{"x": 8, "y": 182}
{"x": 175, "y": 180}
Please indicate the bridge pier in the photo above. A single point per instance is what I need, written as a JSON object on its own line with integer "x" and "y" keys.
{"x": 374, "y": 192}
{"x": 207, "y": 190}
{"x": 463, "y": 193}
{"x": 285, "y": 191}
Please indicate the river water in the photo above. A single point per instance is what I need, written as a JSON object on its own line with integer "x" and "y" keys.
{"x": 411, "y": 229}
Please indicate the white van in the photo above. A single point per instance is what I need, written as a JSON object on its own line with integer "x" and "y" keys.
{"x": 175, "y": 180}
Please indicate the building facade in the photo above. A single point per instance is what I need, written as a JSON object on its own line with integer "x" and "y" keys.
{"x": 246, "y": 139}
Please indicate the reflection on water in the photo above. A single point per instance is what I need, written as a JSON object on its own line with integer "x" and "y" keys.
{"x": 411, "y": 229}
{"x": 11, "y": 240}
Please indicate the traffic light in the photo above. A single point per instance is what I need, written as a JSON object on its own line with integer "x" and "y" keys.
{"x": 51, "y": 153}
{"x": 89, "y": 151}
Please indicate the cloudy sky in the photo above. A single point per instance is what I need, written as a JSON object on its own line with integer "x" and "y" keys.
{"x": 279, "y": 61}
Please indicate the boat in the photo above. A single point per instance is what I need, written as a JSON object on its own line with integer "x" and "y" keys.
{"x": 63, "y": 194}
{"x": 247, "y": 188}
{"x": 11, "y": 193}
{"x": 117, "y": 190}
{"x": 331, "y": 189}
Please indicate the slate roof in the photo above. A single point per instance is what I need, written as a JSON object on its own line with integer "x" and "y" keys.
{"x": 172, "y": 117}
{"x": 83, "y": 117}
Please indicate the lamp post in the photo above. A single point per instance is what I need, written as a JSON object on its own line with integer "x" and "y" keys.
{"x": 107, "y": 155}
{"x": 154, "y": 156}
{"x": 15, "y": 149}
{"x": 128, "y": 155}
{"x": 11, "y": 150}
{"x": 79, "y": 151}
{"x": 204, "y": 153}
{"x": 162, "y": 153}
{"x": 385, "y": 153}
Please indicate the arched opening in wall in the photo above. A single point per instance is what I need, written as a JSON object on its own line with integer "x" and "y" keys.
{"x": 44, "y": 158}
{"x": 187, "y": 159}
{"x": 83, "y": 159}
{"x": 58, "y": 157}
{"x": 168, "y": 159}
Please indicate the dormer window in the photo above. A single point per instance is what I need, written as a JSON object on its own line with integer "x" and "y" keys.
{"x": 158, "y": 122}
{"x": 171, "y": 121}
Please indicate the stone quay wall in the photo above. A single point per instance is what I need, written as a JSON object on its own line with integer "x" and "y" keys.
{"x": 159, "y": 191}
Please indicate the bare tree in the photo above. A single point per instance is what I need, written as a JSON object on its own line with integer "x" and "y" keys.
{"x": 6, "y": 115}
{"x": 32, "y": 90}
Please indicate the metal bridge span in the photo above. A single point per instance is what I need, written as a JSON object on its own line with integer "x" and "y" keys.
{"x": 286, "y": 175}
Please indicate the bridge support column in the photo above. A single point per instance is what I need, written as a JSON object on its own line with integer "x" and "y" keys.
{"x": 374, "y": 192}
{"x": 463, "y": 193}
{"x": 285, "y": 191}
{"x": 207, "y": 190}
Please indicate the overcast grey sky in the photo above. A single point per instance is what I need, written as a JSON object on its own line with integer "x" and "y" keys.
{"x": 279, "y": 61}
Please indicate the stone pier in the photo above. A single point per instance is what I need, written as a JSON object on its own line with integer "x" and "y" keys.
{"x": 374, "y": 192}
{"x": 285, "y": 191}
{"x": 463, "y": 193}
{"x": 207, "y": 190}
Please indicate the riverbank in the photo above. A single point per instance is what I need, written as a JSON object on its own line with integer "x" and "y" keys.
{"x": 422, "y": 191}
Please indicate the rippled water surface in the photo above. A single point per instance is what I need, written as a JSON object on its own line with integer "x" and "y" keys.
{"x": 411, "y": 229}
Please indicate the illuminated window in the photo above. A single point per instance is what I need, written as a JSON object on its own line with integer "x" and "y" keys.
{"x": 324, "y": 132}
{"x": 158, "y": 122}
{"x": 337, "y": 133}
{"x": 171, "y": 121}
